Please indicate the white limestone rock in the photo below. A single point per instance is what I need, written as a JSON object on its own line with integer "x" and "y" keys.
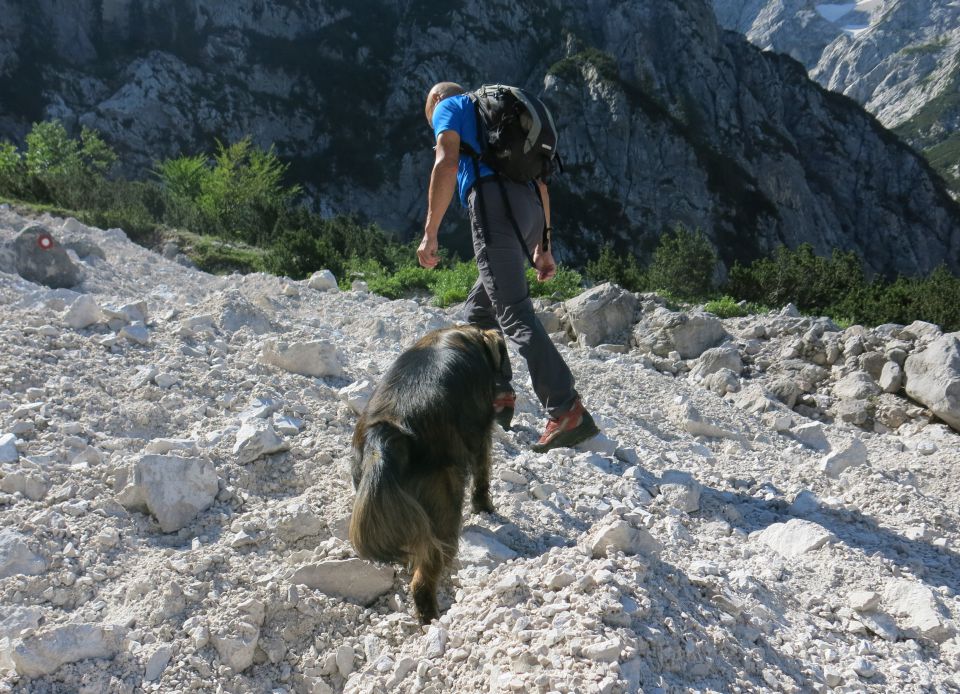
{"x": 722, "y": 382}
{"x": 323, "y": 280}
{"x": 45, "y": 651}
{"x": 679, "y": 490}
{"x": 933, "y": 378}
{"x": 852, "y": 454}
{"x": 157, "y": 662}
{"x": 795, "y": 537}
{"x": 480, "y": 549}
{"x": 317, "y": 358}
{"x": 601, "y": 315}
{"x": 715, "y": 359}
{"x": 183, "y": 447}
{"x": 83, "y": 313}
{"x": 8, "y": 449}
{"x": 891, "y": 377}
{"x": 357, "y": 394}
{"x": 604, "y": 651}
{"x": 16, "y": 557}
{"x": 136, "y": 333}
{"x": 689, "y": 334}
{"x": 296, "y": 520}
{"x": 855, "y": 386}
{"x": 33, "y": 484}
{"x": 236, "y": 643}
{"x": 172, "y": 488}
{"x": 620, "y": 536}
{"x": 352, "y": 579}
{"x": 690, "y": 420}
{"x": 919, "y": 610}
{"x": 811, "y": 435}
{"x": 863, "y": 600}
{"x": 257, "y": 438}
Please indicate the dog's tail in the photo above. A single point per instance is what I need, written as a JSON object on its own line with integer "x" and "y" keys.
{"x": 388, "y": 523}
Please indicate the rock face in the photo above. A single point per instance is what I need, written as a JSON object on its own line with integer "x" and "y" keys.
{"x": 40, "y": 259}
{"x": 173, "y": 489}
{"x": 700, "y": 130}
{"x": 901, "y": 60}
{"x": 601, "y": 315}
{"x": 933, "y": 378}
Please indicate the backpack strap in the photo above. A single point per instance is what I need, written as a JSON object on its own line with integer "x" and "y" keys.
{"x": 513, "y": 220}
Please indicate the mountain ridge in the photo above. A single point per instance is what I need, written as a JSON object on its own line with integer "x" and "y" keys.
{"x": 685, "y": 124}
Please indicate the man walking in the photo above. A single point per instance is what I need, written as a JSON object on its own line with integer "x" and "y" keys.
{"x": 501, "y": 298}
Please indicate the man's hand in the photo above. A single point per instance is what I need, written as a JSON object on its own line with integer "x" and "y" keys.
{"x": 427, "y": 252}
{"x": 545, "y": 265}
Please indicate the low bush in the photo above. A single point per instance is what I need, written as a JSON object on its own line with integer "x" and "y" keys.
{"x": 620, "y": 268}
{"x": 726, "y": 307}
{"x": 683, "y": 265}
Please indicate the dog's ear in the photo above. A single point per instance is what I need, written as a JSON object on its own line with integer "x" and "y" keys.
{"x": 496, "y": 347}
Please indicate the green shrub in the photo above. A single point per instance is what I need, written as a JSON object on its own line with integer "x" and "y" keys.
{"x": 63, "y": 170}
{"x": 935, "y": 299}
{"x": 726, "y": 307}
{"x": 11, "y": 170}
{"x": 566, "y": 284}
{"x": 798, "y": 276}
{"x": 683, "y": 265}
{"x": 452, "y": 285}
{"x": 220, "y": 257}
{"x": 240, "y": 194}
{"x": 619, "y": 268}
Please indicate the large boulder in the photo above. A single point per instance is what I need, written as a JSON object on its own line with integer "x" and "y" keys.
{"x": 39, "y": 258}
{"x": 689, "y": 334}
{"x": 601, "y": 315}
{"x": 173, "y": 489}
{"x": 933, "y": 378}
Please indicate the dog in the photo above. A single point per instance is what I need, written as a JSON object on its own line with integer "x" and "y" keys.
{"x": 425, "y": 431}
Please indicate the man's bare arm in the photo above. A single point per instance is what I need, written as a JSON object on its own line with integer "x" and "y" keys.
{"x": 543, "y": 258}
{"x": 443, "y": 185}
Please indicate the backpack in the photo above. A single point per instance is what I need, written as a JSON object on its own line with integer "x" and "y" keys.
{"x": 517, "y": 134}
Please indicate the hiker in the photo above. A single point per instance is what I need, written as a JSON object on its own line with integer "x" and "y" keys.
{"x": 501, "y": 211}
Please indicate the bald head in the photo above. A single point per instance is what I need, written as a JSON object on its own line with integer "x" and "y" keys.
{"x": 439, "y": 92}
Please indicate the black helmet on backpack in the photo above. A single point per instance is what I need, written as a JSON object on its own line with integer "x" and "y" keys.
{"x": 516, "y": 132}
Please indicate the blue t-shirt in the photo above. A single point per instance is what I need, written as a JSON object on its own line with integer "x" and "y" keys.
{"x": 458, "y": 114}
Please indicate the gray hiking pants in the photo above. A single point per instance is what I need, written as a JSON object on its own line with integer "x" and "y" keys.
{"x": 500, "y": 299}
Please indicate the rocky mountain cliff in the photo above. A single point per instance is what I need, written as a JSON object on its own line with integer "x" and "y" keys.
{"x": 901, "y": 60}
{"x": 665, "y": 118}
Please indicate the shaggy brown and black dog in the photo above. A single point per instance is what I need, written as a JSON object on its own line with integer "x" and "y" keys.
{"x": 426, "y": 429}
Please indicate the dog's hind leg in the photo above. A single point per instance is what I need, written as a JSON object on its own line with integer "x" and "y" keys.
{"x": 427, "y": 571}
{"x": 442, "y": 498}
{"x": 481, "y": 501}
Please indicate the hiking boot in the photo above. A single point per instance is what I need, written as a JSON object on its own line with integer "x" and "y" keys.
{"x": 503, "y": 406}
{"x": 572, "y": 427}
